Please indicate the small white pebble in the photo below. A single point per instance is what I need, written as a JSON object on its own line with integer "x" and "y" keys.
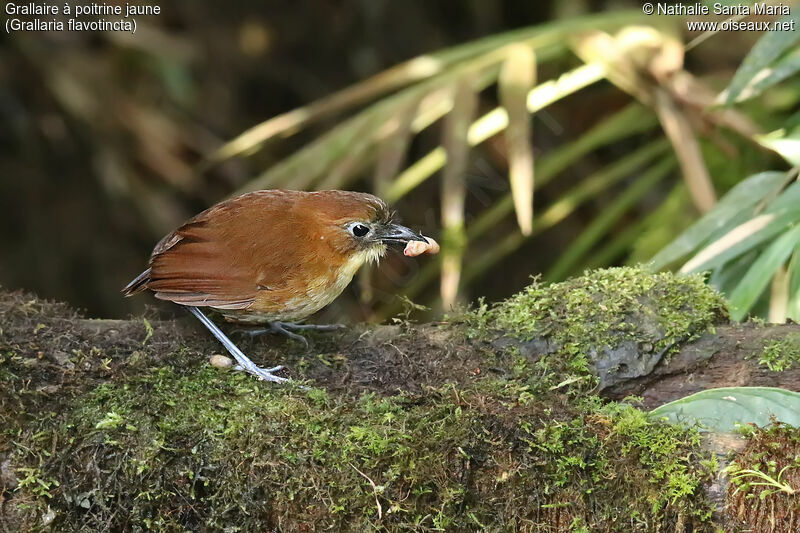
{"x": 220, "y": 361}
{"x": 48, "y": 517}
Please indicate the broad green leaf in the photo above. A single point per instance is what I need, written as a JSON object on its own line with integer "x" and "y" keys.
{"x": 727, "y": 277}
{"x": 743, "y": 196}
{"x": 788, "y": 198}
{"x": 741, "y": 239}
{"x": 793, "y": 309}
{"x": 761, "y": 271}
{"x": 794, "y": 269}
{"x": 776, "y": 73}
{"x": 787, "y": 145}
{"x": 741, "y": 218}
{"x": 778, "y": 293}
{"x": 768, "y": 48}
{"x": 726, "y": 408}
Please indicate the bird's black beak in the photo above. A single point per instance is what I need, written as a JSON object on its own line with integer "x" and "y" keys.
{"x": 395, "y": 233}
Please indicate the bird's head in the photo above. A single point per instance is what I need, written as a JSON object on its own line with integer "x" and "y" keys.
{"x": 359, "y": 226}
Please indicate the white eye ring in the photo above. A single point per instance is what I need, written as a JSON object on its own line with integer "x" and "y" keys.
{"x": 358, "y": 229}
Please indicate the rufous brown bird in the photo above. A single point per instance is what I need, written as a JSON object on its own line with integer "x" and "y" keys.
{"x": 272, "y": 257}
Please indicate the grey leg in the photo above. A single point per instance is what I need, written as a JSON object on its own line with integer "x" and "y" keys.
{"x": 311, "y": 327}
{"x": 244, "y": 362}
{"x": 286, "y": 329}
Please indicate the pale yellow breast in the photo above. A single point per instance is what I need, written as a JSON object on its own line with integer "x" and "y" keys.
{"x": 316, "y": 294}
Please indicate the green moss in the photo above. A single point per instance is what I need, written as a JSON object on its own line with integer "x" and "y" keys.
{"x": 169, "y": 450}
{"x": 602, "y": 310}
{"x": 182, "y": 446}
{"x": 600, "y": 307}
{"x": 783, "y": 354}
{"x": 658, "y": 449}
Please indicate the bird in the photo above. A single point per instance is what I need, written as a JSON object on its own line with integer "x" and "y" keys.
{"x": 272, "y": 257}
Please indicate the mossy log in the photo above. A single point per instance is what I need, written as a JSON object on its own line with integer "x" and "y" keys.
{"x": 509, "y": 418}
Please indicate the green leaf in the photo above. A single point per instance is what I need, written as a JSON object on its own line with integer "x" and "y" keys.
{"x": 793, "y": 309}
{"x": 743, "y": 196}
{"x": 741, "y": 239}
{"x": 768, "y": 48}
{"x": 761, "y": 271}
{"x": 787, "y": 145}
{"x": 779, "y": 71}
{"x": 727, "y": 277}
{"x": 723, "y": 409}
{"x": 790, "y": 197}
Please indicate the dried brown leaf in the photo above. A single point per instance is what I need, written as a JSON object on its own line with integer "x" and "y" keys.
{"x": 680, "y": 133}
{"x": 517, "y": 78}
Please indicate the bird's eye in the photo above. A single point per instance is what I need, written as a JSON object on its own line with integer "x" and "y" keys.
{"x": 359, "y": 230}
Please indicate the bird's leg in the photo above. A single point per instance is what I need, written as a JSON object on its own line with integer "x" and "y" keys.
{"x": 244, "y": 362}
{"x": 315, "y": 327}
{"x": 286, "y": 329}
{"x": 277, "y": 327}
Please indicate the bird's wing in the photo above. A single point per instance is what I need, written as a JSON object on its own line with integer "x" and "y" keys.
{"x": 194, "y": 265}
{"x": 257, "y": 251}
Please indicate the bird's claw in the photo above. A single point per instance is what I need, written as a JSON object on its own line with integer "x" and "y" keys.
{"x": 279, "y": 327}
{"x": 287, "y": 329}
{"x": 264, "y": 374}
{"x": 270, "y": 370}
{"x": 311, "y": 327}
{"x": 251, "y": 332}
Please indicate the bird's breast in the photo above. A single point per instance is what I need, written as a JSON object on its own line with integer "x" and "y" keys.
{"x": 310, "y": 287}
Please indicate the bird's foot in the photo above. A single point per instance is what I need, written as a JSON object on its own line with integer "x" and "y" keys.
{"x": 287, "y": 328}
{"x": 244, "y": 362}
{"x": 311, "y": 327}
{"x": 266, "y": 374}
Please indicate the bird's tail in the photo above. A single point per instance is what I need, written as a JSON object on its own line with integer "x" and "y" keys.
{"x": 138, "y": 284}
